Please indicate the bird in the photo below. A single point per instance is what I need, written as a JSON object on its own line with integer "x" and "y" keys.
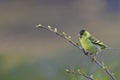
{"x": 90, "y": 44}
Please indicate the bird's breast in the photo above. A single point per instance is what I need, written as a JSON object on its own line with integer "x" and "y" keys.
{"x": 88, "y": 46}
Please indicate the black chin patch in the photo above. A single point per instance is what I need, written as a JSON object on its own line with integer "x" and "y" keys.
{"x": 82, "y": 32}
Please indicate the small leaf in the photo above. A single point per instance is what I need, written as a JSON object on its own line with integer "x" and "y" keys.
{"x": 69, "y": 38}
{"x": 55, "y": 30}
{"x": 39, "y": 25}
{"x": 91, "y": 76}
{"x": 67, "y": 70}
{"x": 78, "y": 71}
{"x": 64, "y": 34}
{"x": 94, "y": 58}
{"x": 49, "y": 27}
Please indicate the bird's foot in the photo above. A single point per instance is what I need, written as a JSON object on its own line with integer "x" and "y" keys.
{"x": 86, "y": 53}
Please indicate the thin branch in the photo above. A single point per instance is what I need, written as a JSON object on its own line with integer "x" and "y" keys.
{"x": 105, "y": 69}
{"x": 78, "y": 46}
{"x": 81, "y": 74}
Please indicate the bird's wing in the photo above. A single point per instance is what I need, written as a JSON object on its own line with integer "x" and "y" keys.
{"x": 97, "y": 42}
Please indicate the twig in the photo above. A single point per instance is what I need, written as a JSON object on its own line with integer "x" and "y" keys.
{"x": 90, "y": 77}
{"x": 78, "y": 46}
{"x": 105, "y": 69}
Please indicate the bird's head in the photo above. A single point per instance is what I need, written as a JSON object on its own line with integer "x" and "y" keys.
{"x": 84, "y": 33}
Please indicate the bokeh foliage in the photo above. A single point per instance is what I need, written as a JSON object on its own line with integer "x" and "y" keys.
{"x": 53, "y": 68}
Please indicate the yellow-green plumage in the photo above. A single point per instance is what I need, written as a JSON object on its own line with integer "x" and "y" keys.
{"x": 89, "y": 43}
{"x": 88, "y": 46}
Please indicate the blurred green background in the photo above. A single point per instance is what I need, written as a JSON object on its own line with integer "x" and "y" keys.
{"x": 28, "y": 53}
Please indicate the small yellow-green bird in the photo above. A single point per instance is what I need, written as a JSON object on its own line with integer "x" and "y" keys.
{"x": 90, "y": 44}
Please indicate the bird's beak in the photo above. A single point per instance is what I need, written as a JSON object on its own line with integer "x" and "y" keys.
{"x": 79, "y": 35}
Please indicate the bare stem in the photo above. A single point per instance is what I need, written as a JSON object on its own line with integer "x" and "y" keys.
{"x": 81, "y": 74}
{"x": 105, "y": 69}
{"x": 78, "y": 46}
